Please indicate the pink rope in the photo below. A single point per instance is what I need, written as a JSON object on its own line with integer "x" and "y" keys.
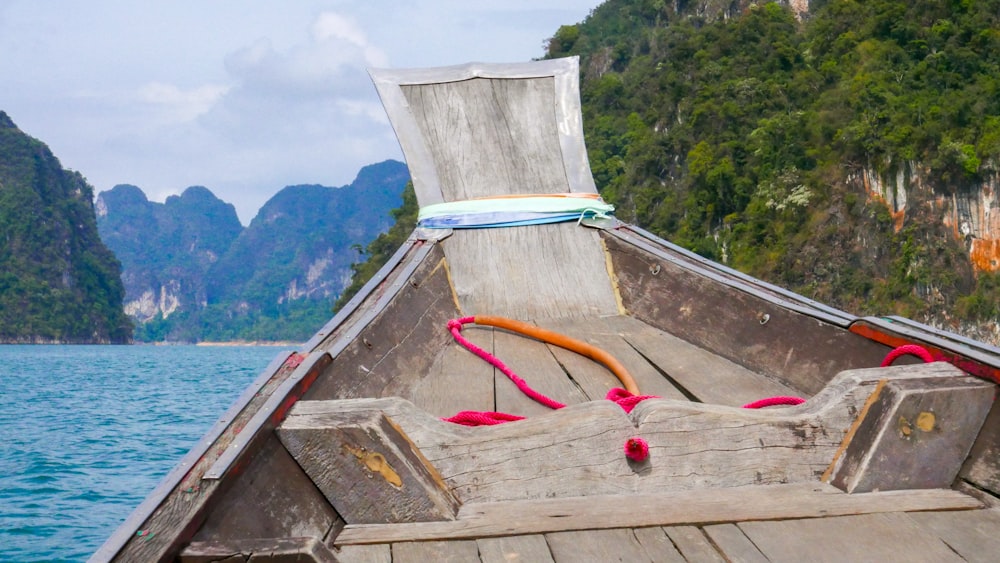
{"x": 485, "y": 418}
{"x": 636, "y": 449}
{"x": 772, "y": 401}
{"x": 912, "y": 349}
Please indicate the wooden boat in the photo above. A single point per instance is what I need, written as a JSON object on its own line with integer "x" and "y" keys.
{"x": 340, "y": 453}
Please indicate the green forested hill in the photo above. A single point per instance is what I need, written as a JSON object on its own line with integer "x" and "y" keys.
{"x": 750, "y": 139}
{"x": 58, "y": 282}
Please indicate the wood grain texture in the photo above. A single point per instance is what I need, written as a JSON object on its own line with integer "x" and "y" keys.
{"x": 693, "y": 544}
{"x": 369, "y": 470}
{"x": 656, "y": 542}
{"x": 531, "y": 273}
{"x": 797, "y": 350}
{"x": 578, "y": 450}
{"x": 533, "y": 362}
{"x": 706, "y": 506}
{"x": 491, "y": 136}
{"x": 272, "y": 498}
{"x": 983, "y": 466}
{"x": 458, "y": 380}
{"x": 379, "y": 553}
{"x": 973, "y": 534}
{"x": 733, "y": 543}
{"x": 514, "y": 549}
{"x": 259, "y": 550}
{"x": 916, "y": 435}
{"x": 598, "y": 545}
{"x": 704, "y": 375}
{"x": 869, "y": 537}
{"x": 437, "y": 551}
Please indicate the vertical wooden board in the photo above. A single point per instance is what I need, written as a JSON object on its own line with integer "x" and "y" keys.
{"x": 605, "y": 333}
{"x": 973, "y": 534}
{"x": 693, "y": 544}
{"x": 983, "y": 466}
{"x": 801, "y": 351}
{"x": 271, "y": 498}
{"x": 531, "y": 272}
{"x": 734, "y": 545}
{"x": 658, "y": 545}
{"x": 892, "y": 536}
{"x": 708, "y": 377}
{"x": 592, "y": 378}
{"x": 514, "y": 549}
{"x": 458, "y": 380}
{"x": 458, "y": 551}
{"x": 491, "y": 136}
{"x": 376, "y": 553}
{"x": 532, "y": 361}
{"x": 618, "y": 544}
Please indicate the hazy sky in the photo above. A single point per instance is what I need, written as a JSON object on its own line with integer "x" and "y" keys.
{"x": 242, "y": 96}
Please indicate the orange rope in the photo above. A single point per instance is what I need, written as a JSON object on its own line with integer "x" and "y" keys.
{"x": 563, "y": 341}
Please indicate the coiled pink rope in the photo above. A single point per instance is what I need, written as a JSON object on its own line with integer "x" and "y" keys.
{"x": 912, "y": 349}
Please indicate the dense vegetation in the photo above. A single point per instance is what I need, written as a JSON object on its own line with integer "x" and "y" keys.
{"x": 738, "y": 137}
{"x": 58, "y": 282}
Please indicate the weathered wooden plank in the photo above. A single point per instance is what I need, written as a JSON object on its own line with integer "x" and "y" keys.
{"x": 438, "y": 551}
{"x": 605, "y": 333}
{"x": 369, "y": 470}
{"x": 490, "y": 136}
{"x": 734, "y": 545}
{"x": 798, "y": 350}
{"x": 916, "y": 435}
{"x": 514, "y": 549}
{"x": 272, "y": 498}
{"x": 259, "y": 550}
{"x": 534, "y": 363}
{"x": 707, "y": 506}
{"x": 377, "y": 553}
{"x": 598, "y": 545}
{"x": 693, "y": 544}
{"x": 392, "y": 353}
{"x": 983, "y": 466}
{"x": 973, "y": 534}
{"x": 579, "y": 450}
{"x": 656, "y": 543}
{"x": 508, "y": 273}
{"x": 458, "y": 380}
{"x": 869, "y": 537}
{"x": 708, "y": 377}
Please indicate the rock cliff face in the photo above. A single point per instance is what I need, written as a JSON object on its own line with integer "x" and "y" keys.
{"x": 192, "y": 269}
{"x": 970, "y": 210}
{"x": 58, "y": 282}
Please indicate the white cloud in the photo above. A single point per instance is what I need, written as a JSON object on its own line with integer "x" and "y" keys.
{"x": 183, "y": 104}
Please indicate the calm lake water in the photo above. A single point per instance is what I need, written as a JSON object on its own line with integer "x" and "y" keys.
{"x": 89, "y": 431}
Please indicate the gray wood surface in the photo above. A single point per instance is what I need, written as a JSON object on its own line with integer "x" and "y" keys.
{"x": 578, "y": 450}
{"x": 693, "y": 544}
{"x": 656, "y": 542}
{"x": 532, "y": 361}
{"x": 598, "y": 545}
{"x": 707, "y": 376}
{"x": 258, "y": 550}
{"x": 733, "y": 543}
{"x": 916, "y": 435}
{"x": 869, "y": 537}
{"x": 377, "y": 553}
{"x": 369, "y": 470}
{"x": 437, "y": 551}
{"x": 531, "y": 273}
{"x": 973, "y": 534}
{"x": 983, "y": 466}
{"x": 706, "y": 506}
{"x": 514, "y": 549}
{"x": 458, "y": 380}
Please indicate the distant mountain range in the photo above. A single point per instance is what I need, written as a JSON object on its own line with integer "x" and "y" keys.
{"x": 193, "y": 273}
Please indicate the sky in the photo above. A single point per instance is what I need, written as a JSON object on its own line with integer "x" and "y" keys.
{"x": 241, "y": 96}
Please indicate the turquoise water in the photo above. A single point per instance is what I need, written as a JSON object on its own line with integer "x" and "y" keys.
{"x": 86, "y": 432}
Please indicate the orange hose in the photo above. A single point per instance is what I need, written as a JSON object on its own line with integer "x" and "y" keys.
{"x": 563, "y": 341}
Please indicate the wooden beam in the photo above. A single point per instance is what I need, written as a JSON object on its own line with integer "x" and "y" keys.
{"x": 369, "y": 470}
{"x": 712, "y": 506}
{"x": 258, "y": 550}
{"x": 915, "y": 435}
